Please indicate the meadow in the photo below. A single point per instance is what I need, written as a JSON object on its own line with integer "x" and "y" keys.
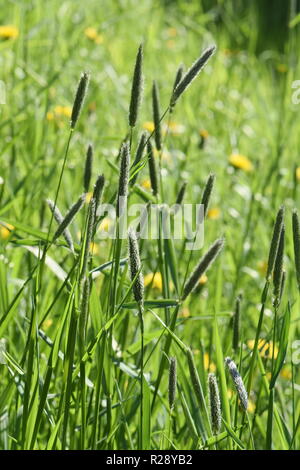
{"x": 141, "y": 343}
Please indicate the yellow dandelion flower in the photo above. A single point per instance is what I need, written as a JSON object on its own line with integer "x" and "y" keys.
{"x": 214, "y": 213}
{"x": 5, "y": 231}
{"x": 203, "y": 279}
{"x": 209, "y": 366}
{"x": 281, "y": 68}
{"x": 155, "y": 280}
{"x": 148, "y": 126}
{"x": 298, "y": 173}
{"x": 88, "y": 197}
{"x": 203, "y": 133}
{"x": 146, "y": 184}
{"x": 241, "y": 162}
{"x": 265, "y": 348}
{"x": 47, "y": 323}
{"x": 174, "y": 128}
{"x": 91, "y": 33}
{"x": 286, "y": 373}
{"x": 105, "y": 224}
{"x": 251, "y": 406}
{"x": 59, "y": 112}
{"x": 50, "y": 116}
{"x": 9, "y": 32}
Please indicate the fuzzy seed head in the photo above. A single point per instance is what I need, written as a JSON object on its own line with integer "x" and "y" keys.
{"x": 138, "y": 156}
{"x": 88, "y": 168}
{"x": 172, "y": 382}
{"x": 152, "y": 169}
{"x": 79, "y": 98}
{"x": 238, "y": 382}
{"x": 156, "y": 115}
{"x": 69, "y": 216}
{"x": 215, "y": 404}
{"x": 135, "y": 267}
{"x": 137, "y": 88}
{"x": 207, "y": 193}
{"x": 275, "y": 242}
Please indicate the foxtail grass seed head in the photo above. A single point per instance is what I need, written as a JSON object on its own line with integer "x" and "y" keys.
{"x": 89, "y": 235}
{"x": 296, "y": 240}
{"x": 124, "y": 175}
{"x": 178, "y": 77}
{"x": 138, "y": 156}
{"x": 238, "y": 382}
{"x": 79, "y": 98}
{"x": 152, "y": 169}
{"x": 88, "y": 168}
{"x": 137, "y": 88}
{"x": 98, "y": 190}
{"x": 196, "y": 384}
{"x": 283, "y": 279}
{"x": 191, "y": 74}
{"x": 275, "y": 242}
{"x": 207, "y": 193}
{"x": 236, "y": 323}
{"x": 181, "y": 193}
{"x": 202, "y": 266}
{"x": 278, "y": 268}
{"x": 69, "y": 216}
{"x": 172, "y": 382}
{"x": 84, "y": 307}
{"x": 156, "y": 115}
{"x": 59, "y": 218}
{"x": 215, "y": 404}
{"x": 135, "y": 267}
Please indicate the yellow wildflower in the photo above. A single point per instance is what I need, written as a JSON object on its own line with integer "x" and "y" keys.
{"x": 174, "y": 128}
{"x": 94, "y": 248}
{"x": 203, "y": 133}
{"x": 209, "y": 366}
{"x": 241, "y": 162}
{"x": 88, "y": 197}
{"x": 105, "y": 224}
{"x": 47, "y": 323}
{"x": 251, "y": 406}
{"x": 298, "y": 173}
{"x": 59, "y": 112}
{"x": 5, "y": 231}
{"x": 9, "y": 32}
{"x": 185, "y": 313}
{"x": 148, "y": 126}
{"x": 92, "y": 34}
{"x": 286, "y": 373}
{"x": 214, "y": 213}
{"x": 155, "y": 280}
{"x": 146, "y": 184}
{"x": 165, "y": 155}
{"x": 203, "y": 280}
{"x": 265, "y": 348}
{"x": 281, "y": 68}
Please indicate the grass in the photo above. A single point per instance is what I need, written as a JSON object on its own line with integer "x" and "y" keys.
{"x": 75, "y": 373}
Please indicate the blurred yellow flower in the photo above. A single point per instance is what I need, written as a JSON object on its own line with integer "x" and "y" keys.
{"x": 265, "y": 348}
{"x": 9, "y": 32}
{"x": 170, "y": 43}
{"x": 88, "y": 197}
{"x": 241, "y": 162}
{"x": 165, "y": 155}
{"x": 92, "y": 34}
{"x": 5, "y": 231}
{"x": 209, "y": 366}
{"x": 251, "y": 406}
{"x": 281, "y": 68}
{"x": 203, "y": 133}
{"x": 298, "y": 173}
{"x": 203, "y": 279}
{"x": 262, "y": 267}
{"x": 148, "y": 126}
{"x": 214, "y": 213}
{"x": 155, "y": 280}
{"x": 146, "y": 184}
{"x": 286, "y": 373}
{"x": 185, "y": 313}
{"x": 174, "y": 128}
{"x": 105, "y": 224}
{"x": 47, "y": 323}
{"x": 94, "y": 248}
{"x": 59, "y": 112}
